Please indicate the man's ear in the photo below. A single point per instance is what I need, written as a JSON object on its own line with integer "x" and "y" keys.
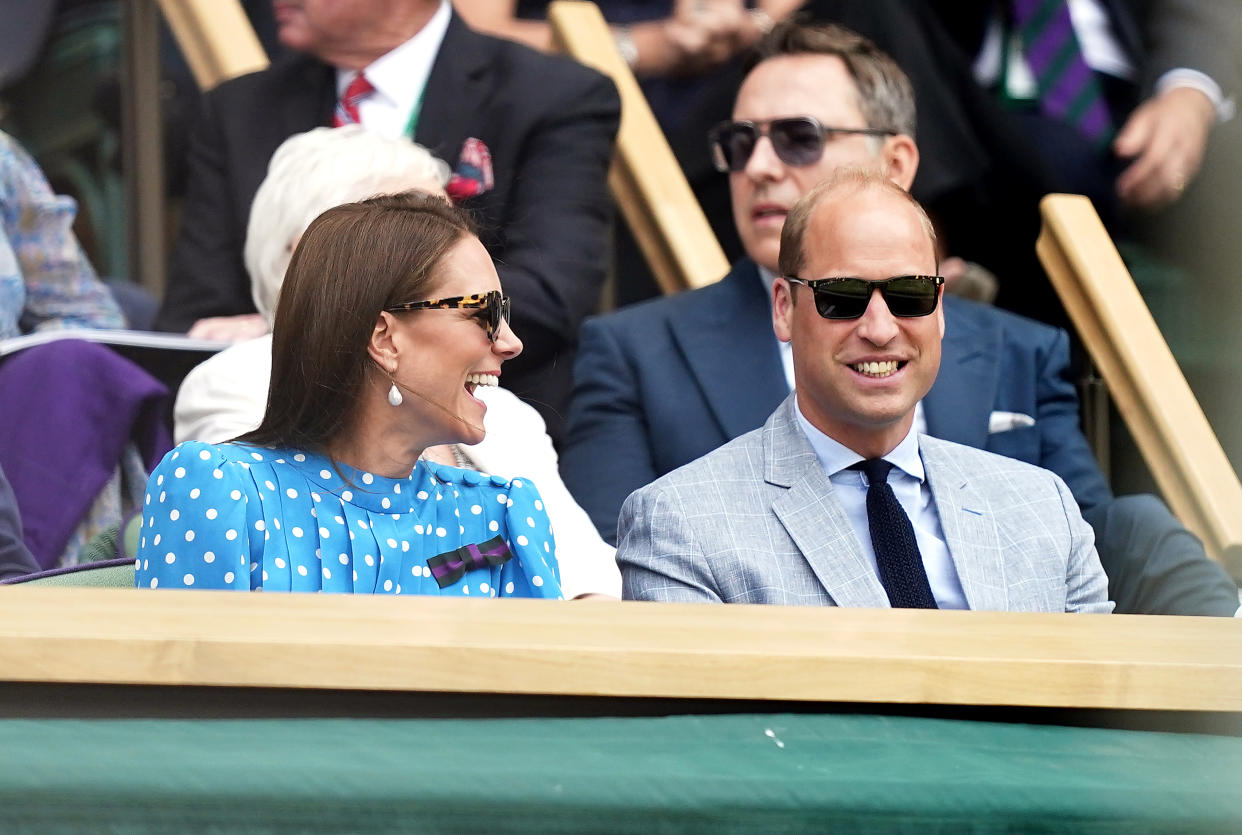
{"x": 381, "y": 346}
{"x": 940, "y": 311}
{"x": 901, "y": 160}
{"x": 782, "y": 309}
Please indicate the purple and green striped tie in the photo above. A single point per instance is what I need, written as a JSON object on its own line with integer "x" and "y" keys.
{"x": 1069, "y": 90}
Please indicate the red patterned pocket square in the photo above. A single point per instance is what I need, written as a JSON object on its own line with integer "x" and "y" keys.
{"x": 474, "y": 172}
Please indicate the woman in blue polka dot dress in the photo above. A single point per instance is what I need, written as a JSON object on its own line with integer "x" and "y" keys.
{"x": 390, "y": 317}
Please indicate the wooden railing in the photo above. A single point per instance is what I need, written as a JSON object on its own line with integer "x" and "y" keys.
{"x": 216, "y": 39}
{"x": 1151, "y": 393}
{"x": 75, "y": 636}
{"x": 645, "y": 179}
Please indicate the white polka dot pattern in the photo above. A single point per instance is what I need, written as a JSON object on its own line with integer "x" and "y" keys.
{"x": 234, "y": 516}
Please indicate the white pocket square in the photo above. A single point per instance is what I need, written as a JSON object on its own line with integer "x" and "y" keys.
{"x": 1005, "y": 421}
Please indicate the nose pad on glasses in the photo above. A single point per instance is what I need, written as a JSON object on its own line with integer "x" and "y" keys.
{"x": 732, "y": 152}
{"x": 506, "y": 342}
{"x": 877, "y": 324}
{"x": 762, "y": 157}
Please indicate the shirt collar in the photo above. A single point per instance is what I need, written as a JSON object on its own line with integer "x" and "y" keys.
{"x": 835, "y": 457}
{"x": 400, "y": 74}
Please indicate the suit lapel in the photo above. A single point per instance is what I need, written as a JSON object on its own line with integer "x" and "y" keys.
{"x": 969, "y": 528}
{"x": 732, "y": 353}
{"x": 456, "y": 92}
{"x": 813, "y": 516}
{"x": 1125, "y": 25}
{"x": 960, "y": 402}
{"x": 310, "y": 96}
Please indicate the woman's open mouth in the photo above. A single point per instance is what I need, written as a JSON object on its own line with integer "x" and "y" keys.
{"x": 474, "y": 381}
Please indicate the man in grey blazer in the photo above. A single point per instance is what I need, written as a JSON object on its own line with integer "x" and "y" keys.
{"x": 782, "y": 514}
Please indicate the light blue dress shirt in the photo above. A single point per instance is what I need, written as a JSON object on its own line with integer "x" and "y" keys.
{"x": 909, "y": 482}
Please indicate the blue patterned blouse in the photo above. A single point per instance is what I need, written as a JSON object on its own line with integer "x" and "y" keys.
{"x": 236, "y": 516}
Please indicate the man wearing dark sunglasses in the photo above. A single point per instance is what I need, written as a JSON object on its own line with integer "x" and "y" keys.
{"x": 838, "y": 500}
{"x": 664, "y": 383}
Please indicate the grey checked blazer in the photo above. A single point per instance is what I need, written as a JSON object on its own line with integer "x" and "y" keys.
{"x": 756, "y": 521}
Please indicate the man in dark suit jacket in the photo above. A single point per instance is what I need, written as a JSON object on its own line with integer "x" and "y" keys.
{"x": 663, "y": 383}
{"x": 548, "y": 124}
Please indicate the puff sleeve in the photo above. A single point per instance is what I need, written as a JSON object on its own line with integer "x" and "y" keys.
{"x": 200, "y": 512}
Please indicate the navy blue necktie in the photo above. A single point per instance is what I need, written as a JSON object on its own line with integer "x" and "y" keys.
{"x": 897, "y": 557}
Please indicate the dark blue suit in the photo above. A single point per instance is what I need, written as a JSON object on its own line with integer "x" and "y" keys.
{"x": 662, "y": 383}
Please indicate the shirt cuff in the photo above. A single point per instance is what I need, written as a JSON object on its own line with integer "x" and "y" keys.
{"x": 1183, "y": 77}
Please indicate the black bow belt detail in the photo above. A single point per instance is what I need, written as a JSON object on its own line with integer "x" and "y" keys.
{"x": 451, "y": 566}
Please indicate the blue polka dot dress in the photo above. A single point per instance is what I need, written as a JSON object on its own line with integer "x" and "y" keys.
{"x": 236, "y": 516}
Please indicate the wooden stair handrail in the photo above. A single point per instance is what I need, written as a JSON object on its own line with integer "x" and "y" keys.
{"x": 600, "y": 648}
{"x": 1151, "y": 393}
{"x": 216, "y": 39}
{"x": 646, "y": 181}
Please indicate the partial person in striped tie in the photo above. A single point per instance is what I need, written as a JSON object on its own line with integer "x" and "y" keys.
{"x": 1168, "y": 73}
{"x": 1142, "y": 81}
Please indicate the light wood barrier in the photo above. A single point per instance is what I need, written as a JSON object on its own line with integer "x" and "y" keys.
{"x": 216, "y": 39}
{"x": 1151, "y": 393}
{"x": 614, "y": 649}
{"x": 646, "y": 181}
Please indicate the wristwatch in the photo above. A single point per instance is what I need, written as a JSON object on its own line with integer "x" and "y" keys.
{"x": 762, "y": 20}
{"x": 625, "y": 45}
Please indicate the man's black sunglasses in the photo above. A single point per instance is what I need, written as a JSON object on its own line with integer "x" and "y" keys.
{"x": 797, "y": 140}
{"x": 907, "y": 296}
{"x": 494, "y": 305}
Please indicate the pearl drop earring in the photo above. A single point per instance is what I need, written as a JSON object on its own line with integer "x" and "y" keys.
{"x": 394, "y": 394}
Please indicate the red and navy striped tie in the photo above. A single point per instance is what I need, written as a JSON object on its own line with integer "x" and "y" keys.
{"x": 347, "y": 106}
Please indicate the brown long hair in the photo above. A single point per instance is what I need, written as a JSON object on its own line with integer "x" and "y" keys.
{"x": 353, "y": 261}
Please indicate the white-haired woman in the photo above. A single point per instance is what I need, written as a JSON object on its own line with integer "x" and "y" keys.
{"x": 225, "y": 396}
